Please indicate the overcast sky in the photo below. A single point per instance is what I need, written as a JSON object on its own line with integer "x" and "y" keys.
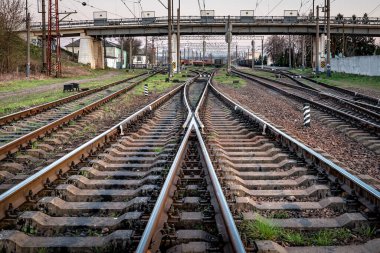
{"x": 117, "y": 9}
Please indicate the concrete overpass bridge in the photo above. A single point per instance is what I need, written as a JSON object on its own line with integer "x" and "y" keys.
{"x": 192, "y": 25}
{"x": 92, "y": 31}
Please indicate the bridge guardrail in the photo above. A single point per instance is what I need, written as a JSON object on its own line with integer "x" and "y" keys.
{"x": 217, "y": 19}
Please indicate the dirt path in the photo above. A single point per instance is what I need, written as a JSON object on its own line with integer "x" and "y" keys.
{"x": 51, "y": 87}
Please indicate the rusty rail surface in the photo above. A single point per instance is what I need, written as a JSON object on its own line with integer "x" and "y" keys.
{"x": 25, "y": 140}
{"x": 19, "y": 194}
{"x": 370, "y": 126}
{"x": 40, "y": 108}
{"x": 368, "y": 195}
{"x": 159, "y": 209}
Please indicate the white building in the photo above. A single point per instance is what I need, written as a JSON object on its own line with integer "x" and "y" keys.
{"x": 139, "y": 60}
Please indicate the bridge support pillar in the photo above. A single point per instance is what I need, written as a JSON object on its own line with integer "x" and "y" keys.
{"x": 91, "y": 51}
{"x": 174, "y": 53}
{"x": 321, "y": 53}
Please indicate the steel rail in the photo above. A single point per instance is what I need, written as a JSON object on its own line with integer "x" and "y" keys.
{"x": 357, "y": 120}
{"x": 306, "y": 88}
{"x": 230, "y": 225}
{"x": 232, "y": 230}
{"x": 151, "y": 227}
{"x": 40, "y": 108}
{"x": 201, "y": 102}
{"x": 368, "y": 195}
{"x": 373, "y": 104}
{"x": 189, "y": 112}
{"x": 19, "y": 194}
{"x": 23, "y": 141}
{"x": 158, "y": 209}
{"x": 342, "y": 90}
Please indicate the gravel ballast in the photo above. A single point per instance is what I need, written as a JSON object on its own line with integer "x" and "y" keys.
{"x": 287, "y": 114}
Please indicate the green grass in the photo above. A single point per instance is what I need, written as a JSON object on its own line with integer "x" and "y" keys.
{"x": 222, "y": 77}
{"x": 264, "y": 229}
{"x": 345, "y": 80}
{"x": 18, "y": 85}
{"x": 261, "y": 73}
{"x": 261, "y": 230}
{"x": 157, "y": 83}
{"x": 280, "y": 215}
{"x": 12, "y": 104}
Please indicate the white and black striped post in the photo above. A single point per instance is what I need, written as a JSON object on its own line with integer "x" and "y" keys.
{"x": 146, "y": 92}
{"x": 306, "y": 114}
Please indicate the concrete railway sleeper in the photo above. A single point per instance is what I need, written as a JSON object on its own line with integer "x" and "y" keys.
{"x": 99, "y": 197}
{"x": 350, "y": 121}
{"x": 21, "y": 133}
{"x": 65, "y": 139}
{"x": 191, "y": 213}
{"x": 40, "y": 108}
{"x": 282, "y": 193}
{"x": 368, "y": 117}
{"x": 362, "y": 100}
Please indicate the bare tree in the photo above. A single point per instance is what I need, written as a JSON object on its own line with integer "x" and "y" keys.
{"x": 12, "y": 16}
{"x": 136, "y": 45}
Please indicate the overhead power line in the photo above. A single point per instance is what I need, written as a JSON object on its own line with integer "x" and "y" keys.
{"x": 274, "y": 7}
{"x": 98, "y": 8}
{"x": 163, "y": 4}
{"x": 374, "y": 9}
{"x": 128, "y": 8}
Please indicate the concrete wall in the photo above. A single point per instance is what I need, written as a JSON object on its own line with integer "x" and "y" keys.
{"x": 361, "y": 65}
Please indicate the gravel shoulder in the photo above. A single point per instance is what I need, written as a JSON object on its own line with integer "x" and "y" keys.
{"x": 287, "y": 114}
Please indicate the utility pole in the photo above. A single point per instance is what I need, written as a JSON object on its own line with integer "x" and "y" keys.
{"x": 130, "y": 53}
{"x": 236, "y": 52}
{"x": 204, "y": 52}
{"x": 170, "y": 38}
{"x": 253, "y": 54}
{"x": 43, "y": 12}
{"x": 313, "y": 8}
{"x": 157, "y": 56}
{"x": 146, "y": 52}
{"x": 229, "y": 40}
{"x": 105, "y": 53}
{"x": 317, "y": 44}
{"x": 178, "y": 37}
{"x": 72, "y": 48}
{"x": 27, "y": 16}
{"x": 262, "y": 53}
{"x": 122, "y": 52}
{"x": 328, "y": 65}
{"x": 344, "y": 42}
{"x": 290, "y": 53}
{"x": 303, "y": 52}
{"x": 153, "y": 53}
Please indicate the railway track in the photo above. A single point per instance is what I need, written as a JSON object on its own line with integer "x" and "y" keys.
{"x": 161, "y": 181}
{"x": 357, "y": 98}
{"x": 15, "y": 169}
{"x": 365, "y": 101}
{"x": 22, "y": 129}
{"x": 277, "y": 185}
{"x": 357, "y": 122}
{"x": 99, "y": 196}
